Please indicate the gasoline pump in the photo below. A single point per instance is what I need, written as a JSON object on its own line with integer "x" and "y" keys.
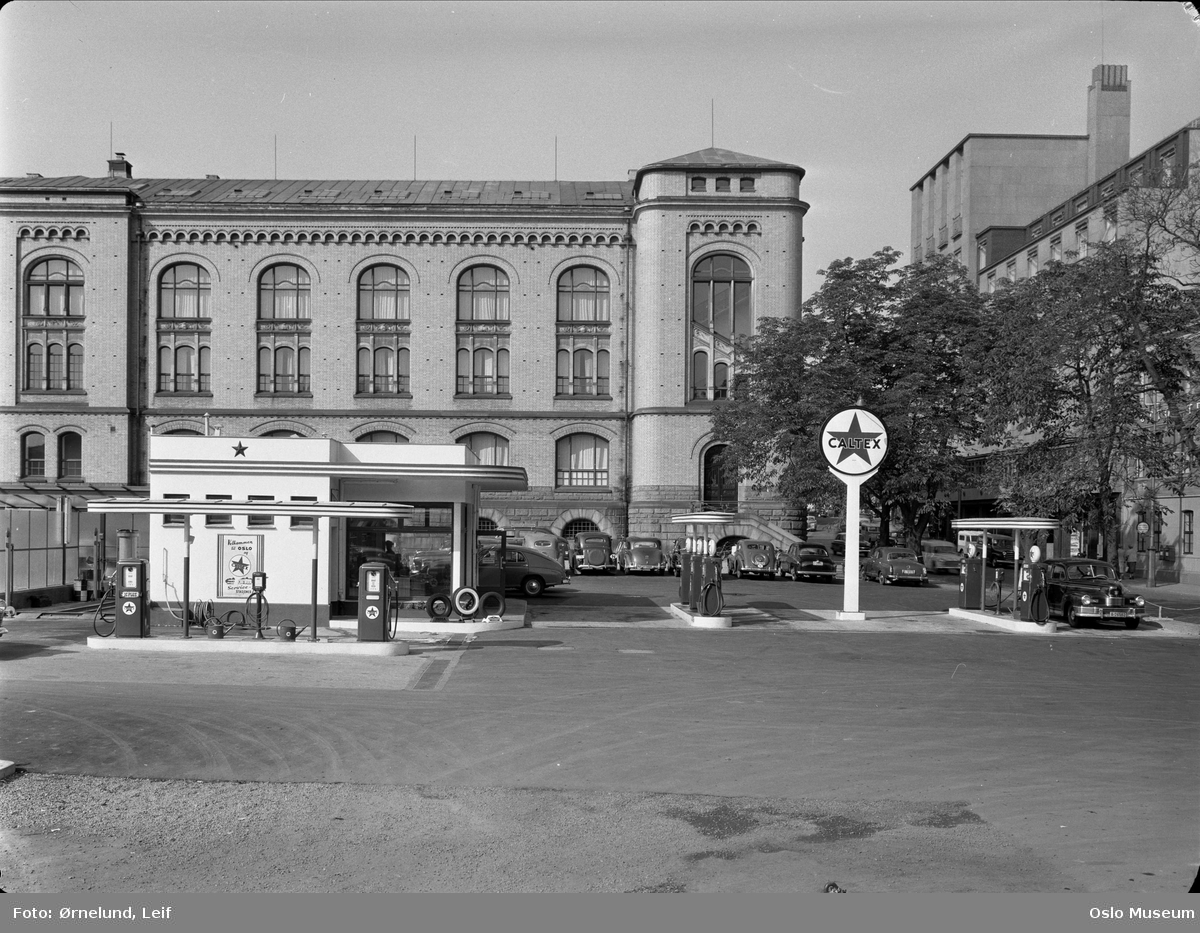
{"x": 374, "y": 603}
{"x": 132, "y": 620}
{"x": 1032, "y": 602}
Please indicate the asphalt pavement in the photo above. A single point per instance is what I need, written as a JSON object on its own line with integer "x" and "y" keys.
{"x": 911, "y": 752}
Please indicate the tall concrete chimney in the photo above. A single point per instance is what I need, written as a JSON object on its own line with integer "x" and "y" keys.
{"x": 1108, "y": 120}
{"x": 119, "y": 167}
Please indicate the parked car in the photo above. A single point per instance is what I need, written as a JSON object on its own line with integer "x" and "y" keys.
{"x": 642, "y": 555}
{"x": 939, "y": 556}
{"x": 542, "y": 540}
{"x": 525, "y": 569}
{"x": 1080, "y": 589}
{"x": 754, "y": 557}
{"x": 894, "y": 565}
{"x": 593, "y": 550}
{"x": 807, "y": 561}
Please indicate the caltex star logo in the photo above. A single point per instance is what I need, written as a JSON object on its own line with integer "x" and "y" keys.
{"x": 240, "y": 450}
{"x": 854, "y": 442}
{"x": 239, "y": 565}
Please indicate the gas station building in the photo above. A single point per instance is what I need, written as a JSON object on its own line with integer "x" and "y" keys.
{"x": 431, "y": 548}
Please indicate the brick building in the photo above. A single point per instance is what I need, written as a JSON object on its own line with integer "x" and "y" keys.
{"x": 580, "y": 330}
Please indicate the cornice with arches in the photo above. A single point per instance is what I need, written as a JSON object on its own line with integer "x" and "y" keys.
{"x": 32, "y": 231}
{"x": 424, "y": 236}
{"x": 724, "y": 227}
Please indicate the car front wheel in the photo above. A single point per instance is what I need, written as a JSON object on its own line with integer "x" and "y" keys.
{"x": 1132, "y": 623}
{"x": 1069, "y": 616}
{"x": 533, "y": 586}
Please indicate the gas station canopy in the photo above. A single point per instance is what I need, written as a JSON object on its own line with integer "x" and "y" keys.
{"x": 257, "y": 507}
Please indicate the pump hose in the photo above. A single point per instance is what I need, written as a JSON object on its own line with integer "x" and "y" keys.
{"x": 204, "y": 612}
{"x": 266, "y": 610}
{"x": 1039, "y": 606}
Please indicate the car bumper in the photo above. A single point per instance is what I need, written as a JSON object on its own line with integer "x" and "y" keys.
{"x": 1109, "y": 612}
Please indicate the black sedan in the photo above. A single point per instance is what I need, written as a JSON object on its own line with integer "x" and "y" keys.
{"x": 808, "y": 561}
{"x": 1082, "y": 589}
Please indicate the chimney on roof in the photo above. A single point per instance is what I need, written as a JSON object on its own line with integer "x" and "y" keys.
{"x": 33, "y": 174}
{"x": 119, "y": 167}
{"x": 212, "y": 177}
{"x": 1108, "y": 120}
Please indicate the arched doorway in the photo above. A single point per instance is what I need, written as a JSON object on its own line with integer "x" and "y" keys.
{"x": 578, "y": 526}
{"x": 718, "y": 486}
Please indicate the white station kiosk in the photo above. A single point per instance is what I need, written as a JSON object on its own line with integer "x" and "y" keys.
{"x": 854, "y": 443}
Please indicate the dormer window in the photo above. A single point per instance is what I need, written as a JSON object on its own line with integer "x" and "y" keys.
{"x": 746, "y": 184}
{"x": 723, "y": 184}
{"x": 699, "y": 183}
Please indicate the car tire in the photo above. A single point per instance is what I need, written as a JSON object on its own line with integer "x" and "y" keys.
{"x": 439, "y": 606}
{"x": 466, "y": 602}
{"x": 1132, "y": 623}
{"x": 533, "y": 586}
{"x": 738, "y": 573}
{"x": 492, "y": 603}
{"x": 1070, "y": 617}
{"x": 771, "y": 575}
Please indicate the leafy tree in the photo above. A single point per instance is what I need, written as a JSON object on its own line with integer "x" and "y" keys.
{"x": 1073, "y": 363}
{"x": 892, "y": 340}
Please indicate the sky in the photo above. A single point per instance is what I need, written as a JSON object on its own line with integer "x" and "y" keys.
{"x": 865, "y": 96}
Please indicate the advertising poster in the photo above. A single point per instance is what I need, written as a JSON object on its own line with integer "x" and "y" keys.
{"x": 240, "y": 556}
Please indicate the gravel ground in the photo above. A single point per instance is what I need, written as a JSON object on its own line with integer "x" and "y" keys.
{"x": 77, "y": 834}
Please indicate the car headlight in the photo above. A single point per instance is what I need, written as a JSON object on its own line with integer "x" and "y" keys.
{"x": 1085, "y": 600}
{"x": 1139, "y": 601}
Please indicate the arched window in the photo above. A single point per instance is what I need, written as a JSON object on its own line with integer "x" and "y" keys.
{"x": 54, "y": 288}
{"x": 491, "y": 449}
{"x": 70, "y": 455}
{"x": 183, "y": 369}
{"x": 56, "y": 371}
{"x": 283, "y": 293}
{"x": 577, "y": 526}
{"x": 281, "y": 432}
{"x": 718, "y": 485}
{"x": 581, "y": 460}
{"x": 721, "y": 295}
{"x": 183, "y": 291}
{"x": 483, "y": 294}
{"x": 33, "y": 454}
{"x": 383, "y": 294}
{"x": 700, "y": 375}
{"x": 382, "y": 437}
{"x": 486, "y": 524}
{"x": 583, "y": 295}
{"x": 75, "y": 366}
{"x": 721, "y": 380}
{"x": 35, "y": 373}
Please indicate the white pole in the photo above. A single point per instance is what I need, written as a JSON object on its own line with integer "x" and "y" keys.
{"x": 850, "y": 611}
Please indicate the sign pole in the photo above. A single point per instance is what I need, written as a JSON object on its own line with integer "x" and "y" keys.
{"x": 850, "y": 611}
{"x": 854, "y": 443}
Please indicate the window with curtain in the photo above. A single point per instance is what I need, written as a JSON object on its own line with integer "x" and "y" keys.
{"x": 482, "y": 370}
{"x": 491, "y": 449}
{"x": 382, "y": 366}
{"x": 721, "y": 295}
{"x": 483, "y": 294}
{"x": 283, "y": 293}
{"x": 581, "y": 460}
{"x": 284, "y": 368}
{"x": 35, "y": 371}
{"x": 383, "y": 293}
{"x": 583, "y": 295}
{"x": 381, "y": 437}
{"x": 56, "y": 369}
{"x": 183, "y": 292}
{"x": 54, "y": 288}
{"x": 700, "y": 375}
{"x": 581, "y": 370}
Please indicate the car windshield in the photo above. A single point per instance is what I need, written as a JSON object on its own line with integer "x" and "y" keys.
{"x": 754, "y": 546}
{"x": 813, "y": 552}
{"x": 593, "y": 541}
{"x": 900, "y": 555}
{"x": 944, "y": 549}
{"x": 644, "y": 542}
{"x": 1090, "y": 572}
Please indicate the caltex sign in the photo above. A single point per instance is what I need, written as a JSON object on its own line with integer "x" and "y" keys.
{"x": 854, "y": 441}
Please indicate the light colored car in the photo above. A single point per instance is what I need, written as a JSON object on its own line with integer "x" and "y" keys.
{"x": 939, "y": 556}
{"x": 636, "y": 554}
{"x": 754, "y": 557}
{"x": 542, "y": 540}
{"x": 593, "y": 550}
{"x": 894, "y": 565}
